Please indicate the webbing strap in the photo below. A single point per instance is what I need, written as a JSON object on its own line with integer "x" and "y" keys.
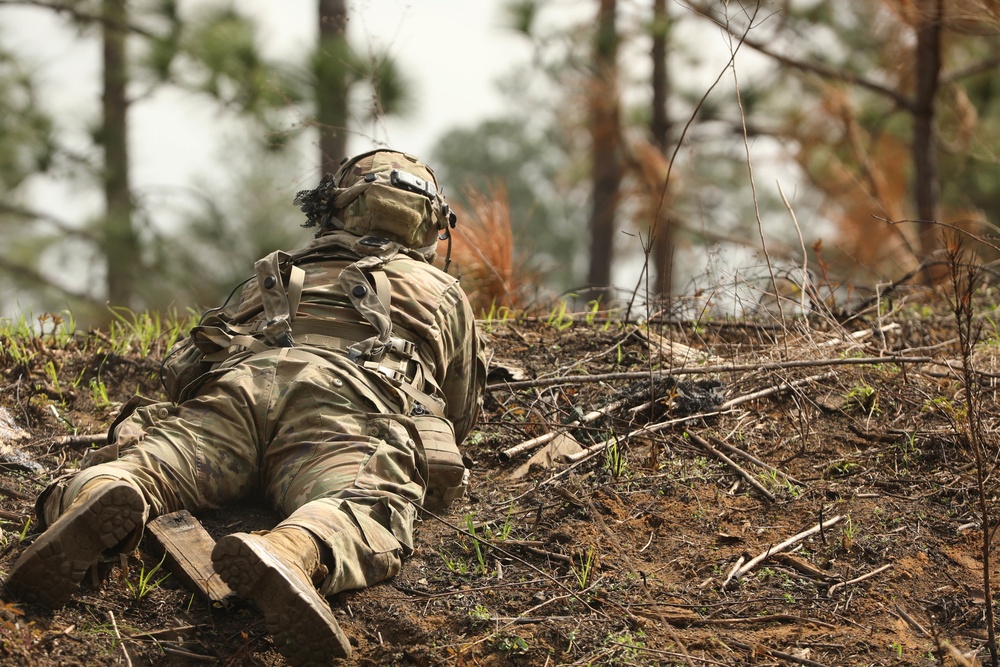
{"x": 426, "y": 400}
{"x": 354, "y": 331}
{"x": 227, "y": 345}
{"x": 274, "y": 297}
{"x": 370, "y": 343}
{"x": 354, "y": 281}
{"x": 383, "y": 289}
{"x": 296, "y": 281}
{"x": 322, "y": 340}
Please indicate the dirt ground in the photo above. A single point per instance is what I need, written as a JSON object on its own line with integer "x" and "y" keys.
{"x": 689, "y": 533}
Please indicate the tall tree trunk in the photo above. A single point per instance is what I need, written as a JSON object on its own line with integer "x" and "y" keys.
{"x": 661, "y": 236}
{"x": 331, "y": 83}
{"x": 120, "y": 241}
{"x": 606, "y": 169}
{"x": 930, "y": 21}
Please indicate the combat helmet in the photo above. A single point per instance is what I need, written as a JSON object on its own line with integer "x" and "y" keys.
{"x": 382, "y": 193}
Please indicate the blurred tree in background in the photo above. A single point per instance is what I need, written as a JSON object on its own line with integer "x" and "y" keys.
{"x": 145, "y": 46}
{"x": 351, "y": 87}
{"x": 890, "y": 110}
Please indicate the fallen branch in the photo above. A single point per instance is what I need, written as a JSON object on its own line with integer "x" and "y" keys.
{"x": 758, "y": 649}
{"x": 769, "y": 618}
{"x": 118, "y": 635}
{"x": 958, "y": 656}
{"x": 733, "y": 570}
{"x": 80, "y": 440}
{"x": 704, "y": 444}
{"x": 593, "y": 450}
{"x": 859, "y": 579}
{"x": 794, "y": 539}
{"x": 187, "y": 655}
{"x": 525, "y": 620}
{"x": 7, "y": 515}
{"x": 550, "y": 555}
{"x": 14, "y": 493}
{"x": 753, "y": 459}
{"x": 776, "y": 389}
{"x": 801, "y": 566}
{"x": 707, "y": 370}
{"x": 912, "y": 621}
{"x": 528, "y": 445}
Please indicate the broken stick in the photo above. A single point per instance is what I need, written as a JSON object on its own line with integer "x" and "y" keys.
{"x": 856, "y": 580}
{"x": 794, "y": 539}
{"x": 528, "y": 445}
{"x": 704, "y": 444}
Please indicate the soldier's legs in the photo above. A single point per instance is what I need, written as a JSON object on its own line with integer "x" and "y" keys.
{"x": 201, "y": 454}
{"x": 345, "y": 477}
{"x": 366, "y": 526}
{"x": 357, "y": 480}
{"x": 338, "y": 464}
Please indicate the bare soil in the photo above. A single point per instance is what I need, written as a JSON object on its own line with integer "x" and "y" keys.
{"x": 626, "y": 557}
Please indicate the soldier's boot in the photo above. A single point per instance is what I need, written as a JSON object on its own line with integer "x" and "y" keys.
{"x": 278, "y": 571}
{"x": 106, "y": 513}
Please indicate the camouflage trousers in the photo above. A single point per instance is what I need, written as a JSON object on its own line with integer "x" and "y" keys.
{"x": 314, "y": 440}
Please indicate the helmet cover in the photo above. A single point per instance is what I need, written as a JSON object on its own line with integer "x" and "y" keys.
{"x": 383, "y": 193}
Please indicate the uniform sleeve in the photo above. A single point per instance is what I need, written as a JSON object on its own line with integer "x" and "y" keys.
{"x": 465, "y": 375}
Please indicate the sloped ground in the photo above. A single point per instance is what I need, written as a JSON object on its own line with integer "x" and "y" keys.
{"x": 627, "y": 556}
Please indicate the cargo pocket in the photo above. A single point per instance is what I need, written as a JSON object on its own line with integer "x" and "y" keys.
{"x": 128, "y": 429}
{"x": 447, "y": 476}
{"x": 395, "y": 466}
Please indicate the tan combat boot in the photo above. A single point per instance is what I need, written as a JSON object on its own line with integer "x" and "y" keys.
{"x": 276, "y": 571}
{"x": 100, "y": 518}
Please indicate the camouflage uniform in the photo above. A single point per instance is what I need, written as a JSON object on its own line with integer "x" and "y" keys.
{"x": 337, "y": 448}
{"x": 335, "y": 391}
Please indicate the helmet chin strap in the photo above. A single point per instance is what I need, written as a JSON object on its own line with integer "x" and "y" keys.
{"x": 447, "y": 257}
{"x": 449, "y": 221}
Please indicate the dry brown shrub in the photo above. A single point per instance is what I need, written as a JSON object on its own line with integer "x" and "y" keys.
{"x": 483, "y": 255}
{"x": 864, "y": 179}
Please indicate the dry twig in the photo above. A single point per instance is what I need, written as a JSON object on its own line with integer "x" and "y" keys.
{"x": 709, "y": 370}
{"x": 704, "y": 444}
{"x": 859, "y": 579}
{"x": 118, "y": 635}
{"x": 794, "y": 539}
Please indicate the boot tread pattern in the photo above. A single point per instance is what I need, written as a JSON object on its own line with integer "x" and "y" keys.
{"x": 49, "y": 572}
{"x": 298, "y": 618}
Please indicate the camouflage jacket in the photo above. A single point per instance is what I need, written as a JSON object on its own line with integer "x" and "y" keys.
{"x": 435, "y": 347}
{"x": 441, "y": 355}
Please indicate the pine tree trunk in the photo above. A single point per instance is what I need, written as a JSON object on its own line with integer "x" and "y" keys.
{"x": 331, "y": 83}
{"x": 926, "y": 178}
{"x": 662, "y": 235}
{"x": 606, "y": 171}
{"x": 120, "y": 241}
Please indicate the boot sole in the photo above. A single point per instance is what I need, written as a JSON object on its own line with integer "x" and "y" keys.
{"x": 299, "y": 620}
{"x": 49, "y": 572}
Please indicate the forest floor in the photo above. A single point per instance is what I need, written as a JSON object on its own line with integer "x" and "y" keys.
{"x": 799, "y": 492}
